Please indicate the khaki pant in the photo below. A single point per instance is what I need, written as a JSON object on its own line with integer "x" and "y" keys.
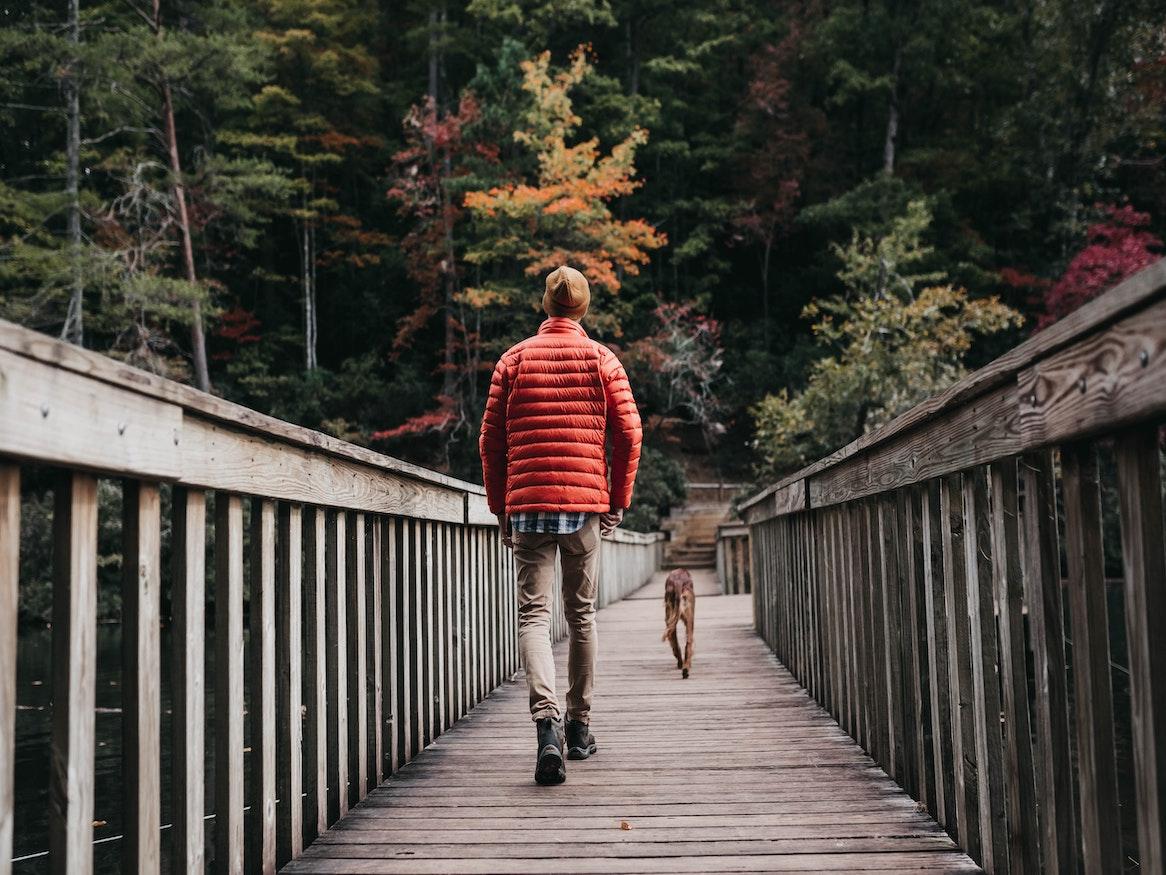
{"x": 534, "y": 554}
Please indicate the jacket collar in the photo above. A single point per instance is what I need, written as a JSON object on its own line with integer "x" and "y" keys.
{"x": 561, "y": 325}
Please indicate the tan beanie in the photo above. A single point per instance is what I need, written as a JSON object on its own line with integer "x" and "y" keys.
{"x": 567, "y": 294}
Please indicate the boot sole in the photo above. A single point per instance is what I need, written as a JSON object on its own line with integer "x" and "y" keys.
{"x": 581, "y": 753}
{"x": 550, "y": 768}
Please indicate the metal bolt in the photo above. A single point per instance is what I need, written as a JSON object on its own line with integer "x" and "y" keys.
{"x": 1081, "y": 385}
{"x": 121, "y": 428}
{"x": 44, "y": 411}
{"x": 1144, "y": 358}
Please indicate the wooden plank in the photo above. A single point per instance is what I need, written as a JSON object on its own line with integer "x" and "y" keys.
{"x": 337, "y": 646}
{"x": 896, "y": 640}
{"x": 141, "y": 675}
{"x": 9, "y": 604}
{"x": 222, "y": 457}
{"x": 1093, "y": 699}
{"x": 938, "y": 650}
{"x": 51, "y": 415}
{"x": 391, "y": 622}
{"x": 316, "y": 667}
{"x": 376, "y": 644}
{"x": 261, "y": 828}
{"x": 959, "y": 661}
{"x": 228, "y": 683}
{"x": 1008, "y": 591}
{"x": 1114, "y": 378}
{"x": 1136, "y": 292}
{"x": 188, "y": 670}
{"x": 428, "y": 628}
{"x": 103, "y": 369}
{"x": 989, "y": 744}
{"x": 1140, "y": 487}
{"x": 356, "y": 671}
{"x": 289, "y": 781}
{"x": 74, "y": 673}
{"x": 408, "y": 568}
{"x": 441, "y": 627}
{"x": 1057, "y": 813}
{"x": 916, "y": 718}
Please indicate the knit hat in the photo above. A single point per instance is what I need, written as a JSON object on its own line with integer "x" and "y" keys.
{"x": 567, "y": 294}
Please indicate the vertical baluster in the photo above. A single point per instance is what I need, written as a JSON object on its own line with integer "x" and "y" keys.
{"x": 1093, "y": 700}
{"x": 985, "y": 684}
{"x": 355, "y": 653}
{"x": 457, "y": 581}
{"x": 188, "y": 667}
{"x": 390, "y": 622}
{"x": 938, "y": 649}
{"x": 376, "y": 632}
{"x": 288, "y": 654}
{"x": 428, "y": 631}
{"x": 1023, "y": 832}
{"x": 896, "y": 639}
{"x": 878, "y": 695}
{"x": 9, "y": 603}
{"x": 1140, "y": 484}
{"x": 917, "y": 716}
{"x": 407, "y": 574}
{"x": 1042, "y": 578}
{"x": 960, "y": 664}
{"x": 336, "y": 590}
{"x": 418, "y": 706}
{"x": 316, "y": 667}
{"x": 261, "y": 825}
{"x": 440, "y": 627}
{"x": 141, "y": 675}
{"x": 228, "y": 683}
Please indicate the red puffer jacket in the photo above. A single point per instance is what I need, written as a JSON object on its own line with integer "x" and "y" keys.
{"x": 543, "y": 433}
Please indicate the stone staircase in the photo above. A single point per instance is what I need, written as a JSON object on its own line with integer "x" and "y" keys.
{"x": 692, "y": 529}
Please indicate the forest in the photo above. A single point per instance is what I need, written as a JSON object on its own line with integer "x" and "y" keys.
{"x": 798, "y": 218}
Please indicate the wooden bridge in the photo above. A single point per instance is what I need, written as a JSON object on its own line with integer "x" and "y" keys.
{"x": 956, "y": 642}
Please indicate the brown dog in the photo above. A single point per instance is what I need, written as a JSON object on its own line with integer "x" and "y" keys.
{"x": 679, "y": 605}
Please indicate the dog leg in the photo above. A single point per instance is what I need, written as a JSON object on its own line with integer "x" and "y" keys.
{"x": 689, "y": 623}
{"x": 675, "y": 642}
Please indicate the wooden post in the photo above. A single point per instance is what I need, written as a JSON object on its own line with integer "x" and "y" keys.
{"x": 376, "y": 645}
{"x": 337, "y": 662}
{"x": 938, "y": 649}
{"x": 141, "y": 676}
{"x": 261, "y": 827}
{"x": 74, "y": 674}
{"x": 1140, "y": 486}
{"x": 357, "y": 652}
{"x": 316, "y": 666}
{"x": 289, "y": 784}
{"x": 188, "y": 668}
{"x": 228, "y": 684}
{"x": 9, "y": 605}
{"x": 1093, "y": 702}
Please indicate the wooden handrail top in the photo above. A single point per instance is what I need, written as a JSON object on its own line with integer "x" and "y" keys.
{"x": 1060, "y": 383}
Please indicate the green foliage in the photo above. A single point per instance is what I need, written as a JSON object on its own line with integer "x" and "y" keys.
{"x": 660, "y": 486}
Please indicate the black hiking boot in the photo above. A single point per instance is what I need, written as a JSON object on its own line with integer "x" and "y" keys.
{"x": 580, "y": 741}
{"x": 551, "y": 768}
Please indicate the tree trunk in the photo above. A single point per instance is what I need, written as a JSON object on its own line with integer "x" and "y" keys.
{"x": 892, "y": 117}
{"x": 433, "y": 55}
{"x": 73, "y": 330}
{"x": 765, "y": 260}
{"x": 307, "y": 260}
{"x": 197, "y": 336}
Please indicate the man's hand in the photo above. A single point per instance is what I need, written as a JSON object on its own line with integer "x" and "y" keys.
{"x": 608, "y": 522}
{"x": 504, "y": 528}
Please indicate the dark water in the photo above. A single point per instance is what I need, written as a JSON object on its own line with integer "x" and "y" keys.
{"x": 33, "y": 731}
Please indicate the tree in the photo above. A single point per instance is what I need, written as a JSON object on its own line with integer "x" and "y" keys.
{"x": 889, "y": 345}
{"x": 562, "y": 214}
{"x": 1116, "y": 247}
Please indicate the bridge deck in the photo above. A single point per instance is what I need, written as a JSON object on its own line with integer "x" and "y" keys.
{"x": 734, "y": 770}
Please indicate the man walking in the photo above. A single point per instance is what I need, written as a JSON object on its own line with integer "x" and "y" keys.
{"x": 544, "y": 462}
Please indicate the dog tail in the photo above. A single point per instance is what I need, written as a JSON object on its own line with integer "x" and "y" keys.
{"x": 671, "y": 618}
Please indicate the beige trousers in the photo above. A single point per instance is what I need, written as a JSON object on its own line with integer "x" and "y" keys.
{"x": 534, "y": 554}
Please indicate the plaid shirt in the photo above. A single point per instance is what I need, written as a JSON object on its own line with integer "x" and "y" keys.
{"x": 553, "y": 522}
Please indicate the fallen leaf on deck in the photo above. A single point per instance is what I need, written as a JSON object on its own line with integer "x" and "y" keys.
{"x": 623, "y": 824}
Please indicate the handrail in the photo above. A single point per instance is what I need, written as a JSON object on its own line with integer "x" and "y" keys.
{"x": 910, "y": 580}
{"x": 1004, "y": 388}
{"x": 380, "y": 588}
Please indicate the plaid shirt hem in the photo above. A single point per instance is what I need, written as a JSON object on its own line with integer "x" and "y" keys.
{"x": 549, "y": 522}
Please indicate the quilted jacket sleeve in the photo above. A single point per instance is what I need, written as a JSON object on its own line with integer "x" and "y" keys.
{"x": 624, "y": 421}
{"x": 492, "y": 440}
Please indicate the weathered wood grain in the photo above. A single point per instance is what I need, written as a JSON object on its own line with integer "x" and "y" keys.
{"x": 188, "y": 669}
{"x": 1140, "y": 487}
{"x": 357, "y": 652}
{"x": 316, "y": 669}
{"x": 1114, "y": 378}
{"x": 141, "y": 675}
{"x": 289, "y": 659}
{"x": 74, "y": 673}
{"x": 336, "y": 590}
{"x": 261, "y": 826}
{"x": 1093, "y": 699}
{"x": 53, "y": 415}
{"x": 9, "y": 603}
{"x": 228, "y": 684}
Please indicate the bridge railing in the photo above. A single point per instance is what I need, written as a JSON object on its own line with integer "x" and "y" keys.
{"x": 734, "y": 562}
{"x": 361, "y": 606}
{"x": 973, "y": 591}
